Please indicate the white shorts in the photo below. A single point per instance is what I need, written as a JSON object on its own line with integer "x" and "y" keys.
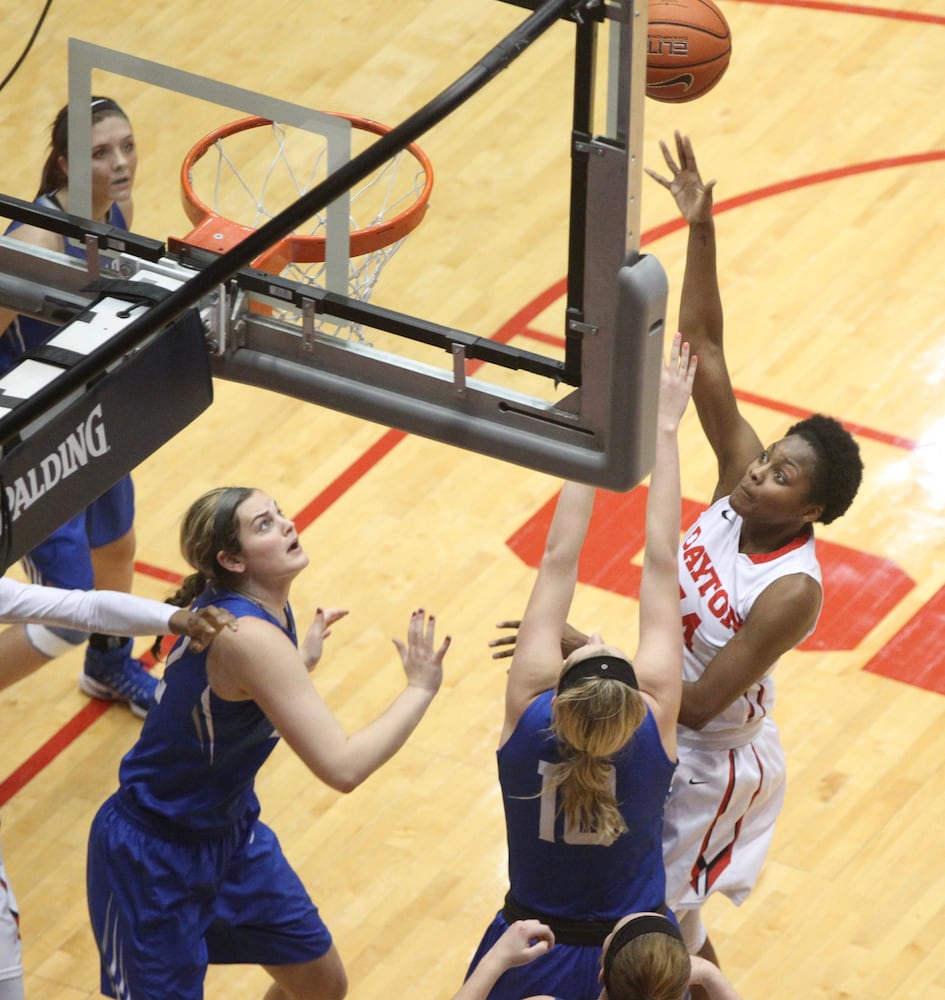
{"x": 11, "y": 957}
{"x": 720, "y": 818}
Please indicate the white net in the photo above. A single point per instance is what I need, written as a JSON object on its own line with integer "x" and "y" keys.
{"x": 258, "y": 171}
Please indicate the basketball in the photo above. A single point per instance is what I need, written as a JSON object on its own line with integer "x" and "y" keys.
{"x": 687, "y": 49}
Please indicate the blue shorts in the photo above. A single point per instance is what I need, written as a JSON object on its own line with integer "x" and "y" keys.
{"x": 568, "y": 970}
{"x": 162, "y": 910}
{"x": 65, "y": 558}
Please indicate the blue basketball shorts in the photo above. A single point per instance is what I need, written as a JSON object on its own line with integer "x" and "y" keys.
{"x": 163, "y": 909}
{"x": 566, "y": 971}
{"x": 65, "y": 558}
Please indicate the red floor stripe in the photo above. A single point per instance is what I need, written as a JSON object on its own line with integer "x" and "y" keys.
{"x": 860, "y": 430}
{"x": 513, "y": 327}
{"x": 51, "y": 749}
{"x": 849, "y": 8}
{"x": 348, "y": 478}
{"x": 158, "y": 573}
{"x": 914, "y": 654}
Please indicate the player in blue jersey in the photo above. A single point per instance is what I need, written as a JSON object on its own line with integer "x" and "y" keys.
{"x": 96, "y": 548}
{"x": 643, "y": 958}
{"x": 181, "y": 872}
{"x": 588, "y": 745}
{"x": 106, "y": 611}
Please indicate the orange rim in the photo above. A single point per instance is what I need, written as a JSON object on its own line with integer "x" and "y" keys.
{"x": 294, "y": 247}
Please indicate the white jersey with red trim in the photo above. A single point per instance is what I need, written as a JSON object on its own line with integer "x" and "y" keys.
{"x": 729, "y": 785}
{"x": 718, "y": 586}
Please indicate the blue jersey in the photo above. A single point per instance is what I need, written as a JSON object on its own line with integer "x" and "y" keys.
{"x": 193, "y": 768}
{"x": 24, "y": 332}
{"x": 569, "y": 873}
{"x": 557, "y": 872}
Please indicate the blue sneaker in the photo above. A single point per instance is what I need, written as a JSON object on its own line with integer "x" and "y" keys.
{"x": 116, "y": 675}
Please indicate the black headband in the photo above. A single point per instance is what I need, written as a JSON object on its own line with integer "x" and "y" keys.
{"x": 646, "y": 923}
{"x": 604, "y": 666}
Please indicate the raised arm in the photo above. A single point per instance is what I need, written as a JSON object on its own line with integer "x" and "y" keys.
{"x": 658, "y": 661}
{"x": 260, "y": 662}
{"x": 781, "y": 616}
{"x": 537, "y": 661}
{"x": 732, "y": 438}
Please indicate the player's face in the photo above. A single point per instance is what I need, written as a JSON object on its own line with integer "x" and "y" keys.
{"x": 114, "y": 161}
{"x": 270, "y": 547}
{"x": 776, "y": 486}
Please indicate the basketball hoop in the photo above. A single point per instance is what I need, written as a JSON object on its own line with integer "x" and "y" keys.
{"x": 262, "y": 166}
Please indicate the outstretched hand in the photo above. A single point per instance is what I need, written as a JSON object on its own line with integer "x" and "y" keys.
{"x": 423, "y": 664}
{"x": 693, "y": 196}
{"x": 202, "y": 626}
{"x": 318, "y": 631}
{"x": 504, "y": 645}
{"x": 676, "y": 381}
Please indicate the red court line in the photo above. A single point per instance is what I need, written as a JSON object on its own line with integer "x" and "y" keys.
{"x": 51, "y": 749}
{"x": 158, "y": 573}
{"x": 779, "y": 406}
{"x": 94, "y": 710}
{"x": 348, "y": 478}
{"x": 796, "y": 183}
{"x": 515, "y": 326}
{"x": 859, "y": 430}
{"x": 914, "y": 654}
{"x": 849, "y": 8}
{"x": 551, "y": 339}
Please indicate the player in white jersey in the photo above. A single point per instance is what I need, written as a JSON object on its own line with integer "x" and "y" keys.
{"x": 751, "y": 591}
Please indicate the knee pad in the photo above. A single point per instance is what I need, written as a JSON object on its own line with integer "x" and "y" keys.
{"x": 692, "y": 929}
{"x": 53, "y": 642}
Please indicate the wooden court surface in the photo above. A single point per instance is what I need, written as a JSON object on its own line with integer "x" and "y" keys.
{"x": 827, "y": 136}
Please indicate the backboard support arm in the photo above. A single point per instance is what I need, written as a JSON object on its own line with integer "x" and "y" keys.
{"x": 603, "y": 432}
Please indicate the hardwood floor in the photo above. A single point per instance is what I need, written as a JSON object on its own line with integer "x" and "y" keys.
{"x": 827, "y": 136}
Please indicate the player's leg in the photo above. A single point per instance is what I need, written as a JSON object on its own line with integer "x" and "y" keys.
{"x": 266, "y": 917}
{"x": 110, "y": 671}
{"x": 319, "y": 979}
{"x": 18, "y": 656}
{"x": 62, "y": 560}
{"x": 146, "y": 908}
{"x": 113, "y": 564}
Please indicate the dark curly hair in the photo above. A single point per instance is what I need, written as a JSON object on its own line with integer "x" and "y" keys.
{"x": 838, "y": 469}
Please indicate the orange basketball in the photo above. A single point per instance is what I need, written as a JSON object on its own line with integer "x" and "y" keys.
{"x": 687, "y": 49}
